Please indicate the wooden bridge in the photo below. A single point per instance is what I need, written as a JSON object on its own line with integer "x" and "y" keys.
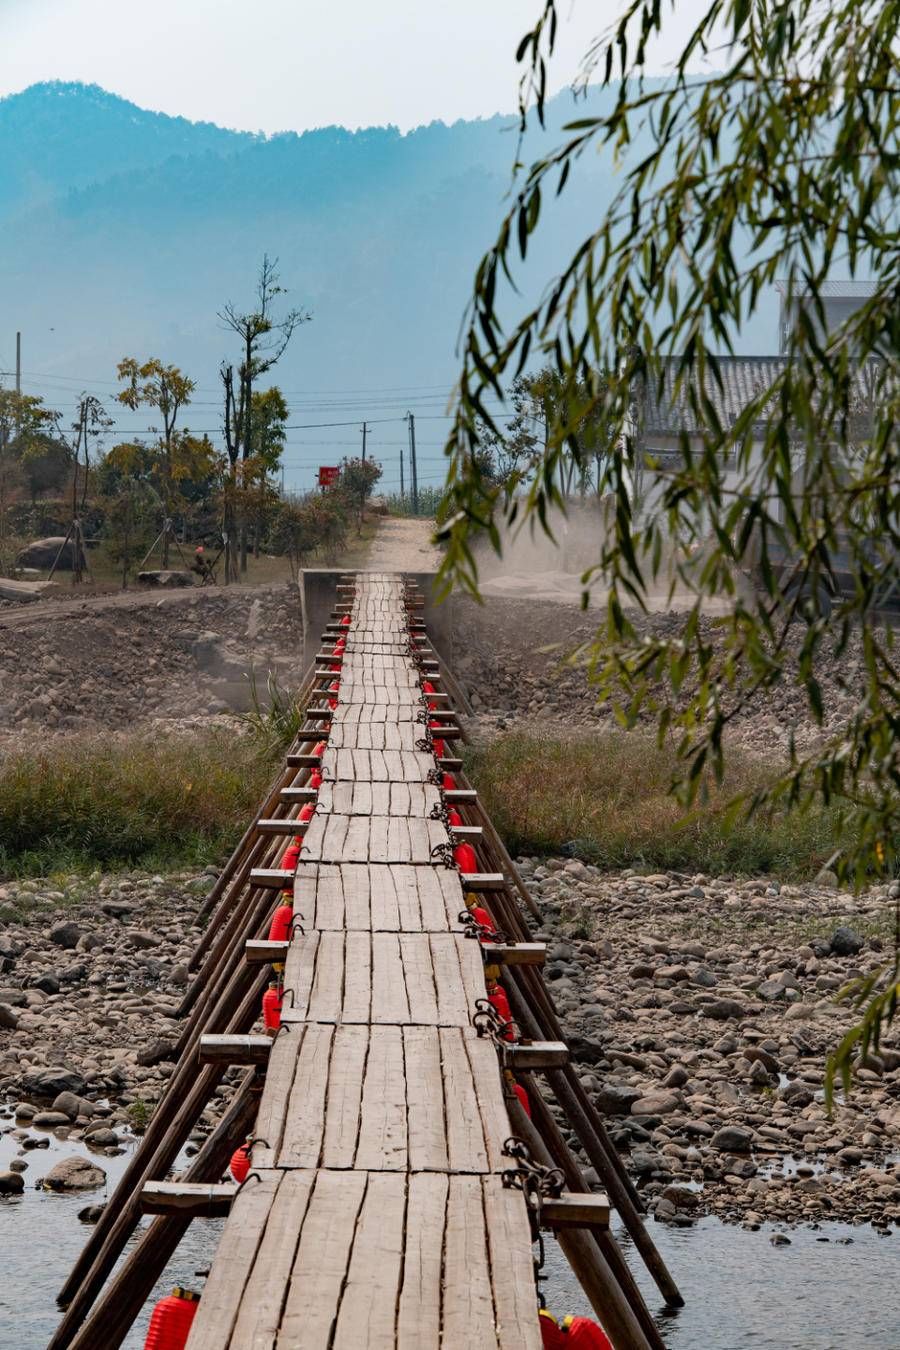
{"x": 385, "y": 1205}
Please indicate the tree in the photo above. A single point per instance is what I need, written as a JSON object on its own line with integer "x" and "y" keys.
{"x": 91, "y": 422}
{"x": 263, "y": 340}
{"x": 165, "y": 388}
{"x": 783, "y": 165}
{"x": 269, "y": 418}
{"x": 46, "y": 464}
{"x": 357, "y": 481}
{"x": 25, "y": 422}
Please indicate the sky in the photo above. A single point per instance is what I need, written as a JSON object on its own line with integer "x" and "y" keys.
{"x": 289, "y": 65}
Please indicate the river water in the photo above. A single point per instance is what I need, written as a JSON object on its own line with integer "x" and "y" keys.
{"x": 742, "y": 1293}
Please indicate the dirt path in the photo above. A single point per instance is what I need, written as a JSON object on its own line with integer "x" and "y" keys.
{"x": 403, "y": 545}
{"x": 75, "y": 607}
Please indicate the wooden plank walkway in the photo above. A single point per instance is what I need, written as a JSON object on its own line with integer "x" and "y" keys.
{"x": 374, "y": 1215}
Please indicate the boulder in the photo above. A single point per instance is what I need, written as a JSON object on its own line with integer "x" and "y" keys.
{"x": 732, "y": 1139}
{"x": 171, "y": 580}
{"x": 9, "y": 1020}
{"x": 844, "y": 942}
{"x": 42, "y": 553}
{"x": 614, "y": 1099}
{"x": 72, "y": 1106}
{"x": 656, "y": 1104}
{"x": 51, "y": 1082}
{"x": 74, "y": 1174}
{"x": 66, "y": 935}
{"x": 11, "y": 1183}
{"x": 723, "y": 1009}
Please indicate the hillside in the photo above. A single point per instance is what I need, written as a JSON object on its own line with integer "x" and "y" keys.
{"x": 124, "y": 231}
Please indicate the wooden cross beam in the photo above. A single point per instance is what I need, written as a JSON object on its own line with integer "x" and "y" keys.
{"x": 299, "y": 794}
{"x": 535, "y": 1055}
{"x": 274, "y": 826}
{"x": 272, "y": 878}
{"x": 459, "y": 796}
{"x": 197, "y": 1199}
{"x": 480, "y": 881}
{"x": 261, "y": 952}
{"x": 573, "y": 1209}
{"x": 295, "y": 761}
{"x": 234, "y": 1049}
{"x": 519, "y": 954}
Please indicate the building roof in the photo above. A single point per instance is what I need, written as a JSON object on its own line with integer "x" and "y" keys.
{"x": 843, "y": 290}
{"x": 743, "y": 378}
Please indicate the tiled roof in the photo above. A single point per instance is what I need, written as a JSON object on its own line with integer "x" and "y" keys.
{"x": 743, "y": 378}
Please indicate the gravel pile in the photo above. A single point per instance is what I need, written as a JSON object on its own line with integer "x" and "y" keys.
{"x": 501, "y": 659}
{"x": 112, "y": 667}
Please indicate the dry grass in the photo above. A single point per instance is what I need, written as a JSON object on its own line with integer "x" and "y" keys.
{"x": 88, "y": 801}
{"x": 608, "y": 794}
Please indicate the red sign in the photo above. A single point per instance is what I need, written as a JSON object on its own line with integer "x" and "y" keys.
{"x": 328, "y": 475}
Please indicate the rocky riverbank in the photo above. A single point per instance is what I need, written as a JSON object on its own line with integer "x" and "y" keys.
{"x": 701, "y": 1013}
{"x": 91, "y": 973}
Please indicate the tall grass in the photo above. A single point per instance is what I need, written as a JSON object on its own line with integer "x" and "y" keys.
{"x": 91, "y": 801}
{"x": 608, "y": 793}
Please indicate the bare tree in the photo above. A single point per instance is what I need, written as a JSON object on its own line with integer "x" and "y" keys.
{"x": 264, "y": 340}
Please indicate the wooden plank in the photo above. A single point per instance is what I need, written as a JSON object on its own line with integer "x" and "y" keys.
{"x": 419, "y": 1311}
{"x": 465, "y": 1136}
{"x": 259, "y": 952}
{"x": 305, "y": 1116}
{"x": 357, "y": 896}
{"x": 512, "y": 1270}
{"x": 576, "y": 1210}
{"x": 224, "y": 1290}
{"x": 320, "y": 1266}
{"x": 280, "y": 1072}
{"x": 357, "y": 999}
{"x": 456, "y": 1003}
{"x": 383, "y": 1129}
{"x": 385, "y": 902}
{"x": 327, "y": 995}
{"x": 259, "y": 1314}
{"x": 369, "y": 1304}
{"x": 345, "y": 1081}
{"x": 418, "y": 972}
{"x": 485, "y": 1070}
{"x": 299, "y": 974}
{"x": 468, "y": 1320}
{"x": 425, "y": 1100}
{"x": 390, "y": 1003}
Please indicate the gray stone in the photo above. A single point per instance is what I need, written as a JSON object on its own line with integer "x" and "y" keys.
{"x": 11, "y": 1183}
{"x": 844, "y": 942}
{"x": 50, "y": 1119}
{"x": 42, "y": 553}
{"x": 74, "y": 1174}
{"x": 48, "y": 984}
{"x": 13, "y": 998}
{"x": 723, "y": 1008}
{"x": 51, "y": 1082}
{"x": 72, "y": 1105}
{"x": 656, "y": 1104}
{"x": 732, "y": 1139}
{"x": 9, "y": 1020}
{"x": 66, "y": 935}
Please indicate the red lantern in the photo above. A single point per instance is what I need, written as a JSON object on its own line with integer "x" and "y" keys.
{"x": 497, "y": 998}
{"x": 315, "y": 779}
{"x": 239, "y": 1167}
{"x": 483, "y": 919}
{"x": 464, "y": 857}
{"x": 551, "y": 1336}
{"x": 271, "y": 1006}
{"x": 307, "y": 811}
{"x": 280, "y": 927}
{"x": 428, "y": 687}
{"x": 291, "y": 855}
{"x": 335, "y": 667}
{"x": 584, "y": 1334}
{"x": 439, "y": 748}
{"x": 453, "y": 816}
{"x": 319, "y": 748}
{"x": 448, "y": 782}
{"x": 170, "y": 1324}
{"x": 345, "y": 621}
{"x": 523, "y": 1098}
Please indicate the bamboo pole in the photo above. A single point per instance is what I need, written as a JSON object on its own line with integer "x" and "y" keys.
{"x": 115, "y": 1312}
{"x": 587, "y": 1261}
{"x": 177, "y": 1112}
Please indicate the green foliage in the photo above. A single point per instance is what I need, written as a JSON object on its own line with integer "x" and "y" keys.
{"x": 357, "y": 482}
{"x": 610, "y": 794}
{"x": 132, "y": 800}
{"x": 275, "y": 718}
{"x": 783, "y": 165}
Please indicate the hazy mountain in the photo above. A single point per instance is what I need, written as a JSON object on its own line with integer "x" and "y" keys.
{"x": 124, "y": 231}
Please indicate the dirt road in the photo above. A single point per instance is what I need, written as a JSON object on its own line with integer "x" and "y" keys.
{"x": 403, "y": 545}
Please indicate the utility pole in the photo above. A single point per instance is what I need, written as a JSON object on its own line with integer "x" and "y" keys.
{"x": 18, "y": 363}
{"x": 413, "y": 475}
{"x": 364, "y": 429}
{"x": 401, "y": 475}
